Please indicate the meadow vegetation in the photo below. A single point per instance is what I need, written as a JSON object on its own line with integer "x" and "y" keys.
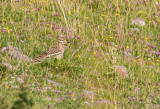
{"x": 103, "y": 36}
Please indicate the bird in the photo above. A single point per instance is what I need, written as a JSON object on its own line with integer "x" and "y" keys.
{"x": 56, "y": 51}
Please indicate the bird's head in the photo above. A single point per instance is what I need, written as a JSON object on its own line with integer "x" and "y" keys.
{"x": 62, "y": 40}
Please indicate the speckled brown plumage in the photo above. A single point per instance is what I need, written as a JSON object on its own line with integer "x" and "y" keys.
{"x": 56, "y": 51}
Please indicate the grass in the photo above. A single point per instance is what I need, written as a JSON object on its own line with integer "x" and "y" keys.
{"x": 100, "y": 34}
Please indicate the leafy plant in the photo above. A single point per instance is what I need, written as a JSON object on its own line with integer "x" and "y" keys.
{"x": 23, "y": 102}
{"x": 3, "y": 103}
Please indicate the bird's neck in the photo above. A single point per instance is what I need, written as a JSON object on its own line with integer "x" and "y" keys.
{"x": 61, "y": 47}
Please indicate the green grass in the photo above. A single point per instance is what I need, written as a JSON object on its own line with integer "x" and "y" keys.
{"x": 99, "y": 33}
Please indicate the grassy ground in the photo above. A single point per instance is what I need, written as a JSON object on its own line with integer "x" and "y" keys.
{"x": 101, "y": 37}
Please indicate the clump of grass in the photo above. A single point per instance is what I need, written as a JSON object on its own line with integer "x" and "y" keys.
{"x": 23, "y": 102}
{"x": 3, "y": 103}
{"x": 3, "y": 71}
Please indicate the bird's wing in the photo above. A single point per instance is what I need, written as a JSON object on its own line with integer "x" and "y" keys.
{"x": 50, "y": 52}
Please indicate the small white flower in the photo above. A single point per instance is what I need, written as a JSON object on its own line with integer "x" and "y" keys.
{"x": 22, "y": 41}
{"x": 86, "y": 102}
{"x": 33, "y": 84}
{"x": 12, "y": 77}
{"x": 156, "y": 3}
